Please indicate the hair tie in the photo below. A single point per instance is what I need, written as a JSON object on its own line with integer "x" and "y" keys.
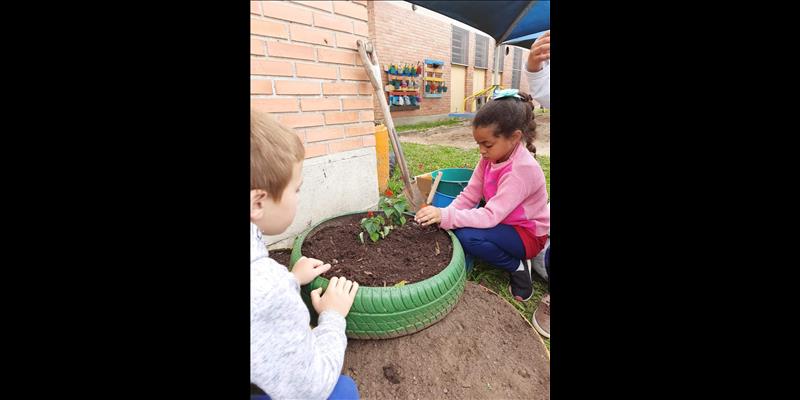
{"x": 500, "y": 94}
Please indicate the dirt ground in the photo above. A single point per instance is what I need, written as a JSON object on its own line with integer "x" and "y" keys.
{"x": 483, "y": 349}
{"x": 461, "y": 135}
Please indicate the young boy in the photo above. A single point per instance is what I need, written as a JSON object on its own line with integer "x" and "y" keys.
{"x": 288, "y": 359}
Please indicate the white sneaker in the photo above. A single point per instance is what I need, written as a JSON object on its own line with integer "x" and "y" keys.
{"x": 537, "y": 263}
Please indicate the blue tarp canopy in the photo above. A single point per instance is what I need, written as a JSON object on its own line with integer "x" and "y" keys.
{"x": 524, "y": 41}
{"x": 516, "y": 23}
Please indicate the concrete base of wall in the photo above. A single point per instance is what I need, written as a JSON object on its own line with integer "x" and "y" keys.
{"x": 421, "y": 118}
{"x": 332, "y": 185}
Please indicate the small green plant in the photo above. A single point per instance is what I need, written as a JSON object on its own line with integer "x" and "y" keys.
{"x": 393, "y": 208}
{"x": 375, "y": 226}
{"x": 395, "y": 188}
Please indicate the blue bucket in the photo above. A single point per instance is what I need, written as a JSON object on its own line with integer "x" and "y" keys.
{"x": 442, "y": 200}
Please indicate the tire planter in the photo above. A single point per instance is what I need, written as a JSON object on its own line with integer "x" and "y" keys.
{"x": 388, "y": 312}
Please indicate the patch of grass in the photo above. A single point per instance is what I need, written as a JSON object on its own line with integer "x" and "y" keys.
{"x": 544, "y": 161}
{"x": 427, "y": 125}
{"x": 423, "y": 158}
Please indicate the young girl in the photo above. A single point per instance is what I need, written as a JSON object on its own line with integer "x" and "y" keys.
{"x": 512, "y": 227}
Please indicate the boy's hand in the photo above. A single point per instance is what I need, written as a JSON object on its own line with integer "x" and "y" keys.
{"x": 306, "y": 269}
{"x": 429, "y": 215}
{"x": 338, "y": 296}
{"x": 540, "y": 51}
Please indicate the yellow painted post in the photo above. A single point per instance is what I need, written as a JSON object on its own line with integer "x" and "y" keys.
{"x": 382, "y": 153}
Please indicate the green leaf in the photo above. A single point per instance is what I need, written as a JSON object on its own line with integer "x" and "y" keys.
{"x": 400, "y": 284}
{"x": 374, "y": 236}
{"x": 402, "y": 220}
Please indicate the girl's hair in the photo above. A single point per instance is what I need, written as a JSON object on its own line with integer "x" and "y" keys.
{"x": 274, "y": 149}
{"x": 506, "y": 115}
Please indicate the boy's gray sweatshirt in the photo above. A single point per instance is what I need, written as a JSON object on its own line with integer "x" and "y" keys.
{"x": 288, "y": 359}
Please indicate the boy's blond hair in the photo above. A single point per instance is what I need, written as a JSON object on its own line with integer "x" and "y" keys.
{"x": 274, "y": 149}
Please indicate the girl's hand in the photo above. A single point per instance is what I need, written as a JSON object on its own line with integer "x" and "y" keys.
{"x": 428, "y": 215}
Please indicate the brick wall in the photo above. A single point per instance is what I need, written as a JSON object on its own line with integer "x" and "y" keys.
{"x": 304, "y": 68}
{"x": 402, "y": 35}
{"x": 470, "y": 65}
{"x": 509, "y": 64}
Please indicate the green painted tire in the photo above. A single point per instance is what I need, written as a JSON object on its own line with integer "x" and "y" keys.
{"x": 389, "y": 312}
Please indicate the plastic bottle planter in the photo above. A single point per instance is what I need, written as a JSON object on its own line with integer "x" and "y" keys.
{"x": 388, "y": 312}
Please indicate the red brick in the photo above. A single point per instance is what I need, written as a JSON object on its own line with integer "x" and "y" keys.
{"x": 353, "y": 74}
{"x": 260, "y": 86}
{"x": 366, "y": 116}
{"x": 361, "y": 28}
{"x": 274, "y": 105}
{"x": 341, "y": 117}
{"x": 255, "y": 7}
{"x": 277, "y": 49}
{"x": 296, "y": 87}
{"x": 360, "y": 129}
{"x": 357, "y": 103}
{"x": 369, "y": 141}
{"x": 345, "y": 145}
{"x": 301, "y": 120}
{"x": 306, "y": 34}
{"x": 336, "y": 56}
{"x": 326, "y": 133}
{"x": 286, "y": 11}
{"x": 365, "y": 88}
{"x": 321, "y": 5}
{"x": 268, "y": 28}
{"x": 346, "y": 41}
{"x": 350, "y": 9}
{"x": 339, "y": 88}
{"x": 334, "y": 22}
{"x": 315, "y": 71}
{"x": 257, "y": 47}
{"x": 263, "y": 67}
{"x": 316, "y": 150}
{"x": 326, "y": 103}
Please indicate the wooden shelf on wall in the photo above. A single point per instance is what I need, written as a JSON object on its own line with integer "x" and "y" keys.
{"x": 402, "y": 77}
{"x": 403, "y": 108}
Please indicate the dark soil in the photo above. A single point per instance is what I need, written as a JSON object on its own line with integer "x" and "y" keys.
{"x": 483, "y": 349}
{"x": 411, "y": 253}
{"x": 282, "y": 256}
